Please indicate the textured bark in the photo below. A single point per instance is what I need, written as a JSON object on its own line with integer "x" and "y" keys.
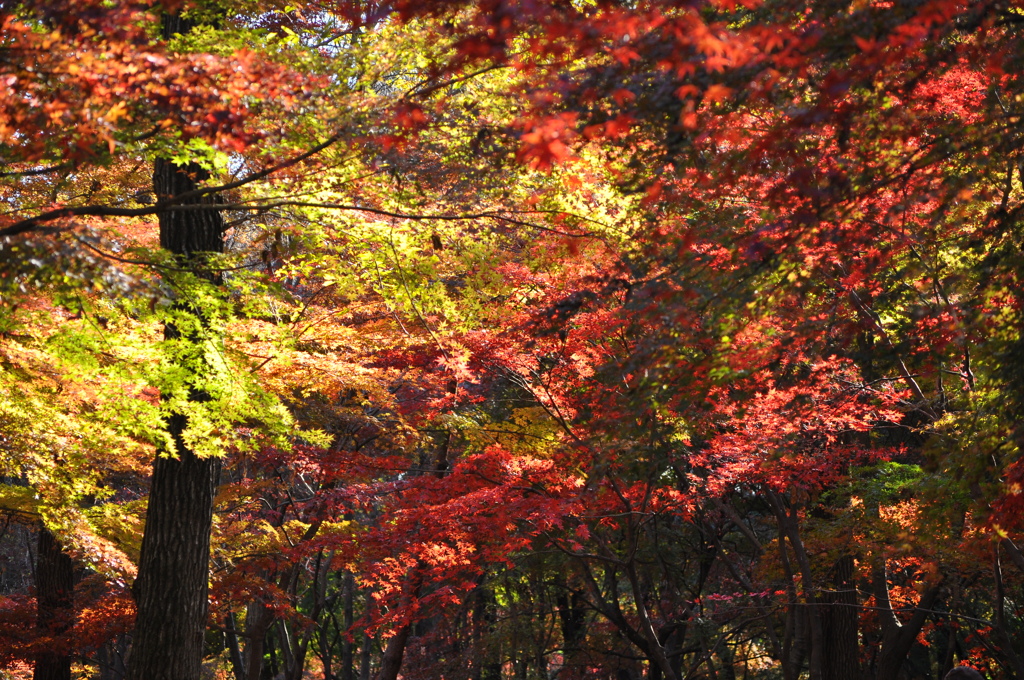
{"x": 190, "y": 230}
{"x": 840, "y": 660}
{"x": 55, "y": 582}
{"x": 171, "y": 588}
{"x": 257, "y": 621}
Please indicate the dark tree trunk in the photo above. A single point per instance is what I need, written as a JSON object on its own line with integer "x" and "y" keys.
{"x": 55, "y": 583}
{"x": 367, "y": 647}
{"x": 897, "y": 638}
{"x": 485, "y": 666}
{"x": 171, "y": 588}
{"x": 271, "y": 645}
{"x": 394, "y": 652}
{"x": 189, "y": 231}
{"x": 347, "y": 657}
{"x": 572, "y": 616}
{"x": 840, "y": 660}
{"x": 231, "y": 638}
{"x": 804, "y": 614}
{"x": 1011, "y": 660}
{"x": 110, "y": 658}
{"x": 257, "y": 622}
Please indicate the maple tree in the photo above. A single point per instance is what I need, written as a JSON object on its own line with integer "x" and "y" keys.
{"x": 512, "y": 338}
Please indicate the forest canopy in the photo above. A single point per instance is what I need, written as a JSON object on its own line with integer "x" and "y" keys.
{"x": 511, "y": 339}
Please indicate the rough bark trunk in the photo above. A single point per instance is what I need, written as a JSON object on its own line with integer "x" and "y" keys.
{"x": 257, "y": 621}
{"x": 171, "y": 588}
{"x": 190, "y": 231}
{"x": 840, "y": 660}
{"x": 55, "y": 582}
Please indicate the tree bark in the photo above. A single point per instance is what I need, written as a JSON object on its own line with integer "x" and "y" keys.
{"x": 189, "y": 232}
{"x": 257, "y": 622}
{"x": 840, "y": 660}
{"x": 347, "y": 657}
{"x": 897, "y": 637}
{"x": 788, "y": 526}
{"x": 367, "y": 646}
{"x": 1012, "y": 661}
{"x": 394, "y": 652}
{"x": 171, "y": 588}
{"x": 55, "y": 583}
{"x": 231, "y": 639}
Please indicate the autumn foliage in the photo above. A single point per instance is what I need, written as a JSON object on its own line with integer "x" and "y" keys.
{"x": 540, "y": 339}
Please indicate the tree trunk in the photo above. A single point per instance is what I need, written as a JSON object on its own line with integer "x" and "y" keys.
{"x": 840, "y": 660}
{"x": 1011, "y": 660}
{"x": 391, "y": 661}
{"x": 192, "y": 231}
{"x": 257, "y": 622}
{"x": 110, "y": 658}
{"x": 271, "y": 646}
{"x": 367, "y": 647}
{"x": 897, "y": 637}
{"x": 485, "y": 665}
{"x": 347, "y": 657}
{"x": 171, "y": 588}
{"x": 569, "y": 604}
{"x": 394, "y": 652}
{"x": 231, "y": 638}
{"x": 55, "y": 582}
{"x": 789, "y": 528}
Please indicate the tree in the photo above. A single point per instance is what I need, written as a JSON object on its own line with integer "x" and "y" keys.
{"x": 715, "y": 302}
{"x": 55, "y": 577}
{"x": 110, "y": 41}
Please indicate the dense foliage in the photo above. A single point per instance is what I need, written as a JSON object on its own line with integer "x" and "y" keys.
{"x": 511, "y": 339}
